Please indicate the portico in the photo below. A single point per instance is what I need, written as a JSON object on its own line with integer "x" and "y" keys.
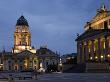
{"x": 94, "y": 44}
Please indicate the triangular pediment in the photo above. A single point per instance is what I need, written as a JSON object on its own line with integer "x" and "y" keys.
{"x": 100, "y": 16}
{"x": 102, "y": 12}
{"x": 25, "y": 53}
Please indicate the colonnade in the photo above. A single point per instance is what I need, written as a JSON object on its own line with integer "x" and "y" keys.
{"x": 94, "y": 50}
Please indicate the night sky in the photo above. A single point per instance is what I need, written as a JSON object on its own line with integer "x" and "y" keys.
{"x": 54, "y": 23}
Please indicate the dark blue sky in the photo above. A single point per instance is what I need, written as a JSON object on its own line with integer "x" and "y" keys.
{"x": 52, "y": 22}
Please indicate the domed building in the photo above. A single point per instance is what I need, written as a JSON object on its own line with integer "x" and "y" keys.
{"x": 22, "y": 36}
{"x": 23, "y": 55}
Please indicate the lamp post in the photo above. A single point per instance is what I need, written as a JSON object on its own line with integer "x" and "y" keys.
{"x": 60, "y": 65}
{"x": 41, "y": 70}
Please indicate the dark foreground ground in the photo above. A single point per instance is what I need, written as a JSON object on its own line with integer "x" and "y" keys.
{"x": 70, "y": 77}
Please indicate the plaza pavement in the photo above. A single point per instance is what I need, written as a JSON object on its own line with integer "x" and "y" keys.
{"x": 70, "y": 77}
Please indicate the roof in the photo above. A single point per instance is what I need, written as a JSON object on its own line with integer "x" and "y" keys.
{"x": 24, "y": 53}
{"x": 70, "y": 55}
{"x": 100, "y": 16}
{"x": 44, "y": 52}
{"x": 7, "y": 54}
{"x": 92, "y": 32}
{"x": 102, "y": 13}
{"x": 22, "y": 21}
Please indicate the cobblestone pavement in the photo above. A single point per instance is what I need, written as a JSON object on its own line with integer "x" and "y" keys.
{"x": 70, "y": 77}
{"x": 76, "y": 77}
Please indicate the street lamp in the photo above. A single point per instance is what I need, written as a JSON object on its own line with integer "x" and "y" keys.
{"x": 41, "y": 70}
{"x": 91, "y": 58}
{"x": 102, "y": 57}
{"x": 60, "y": 65}
{"x": 108, "y": 56}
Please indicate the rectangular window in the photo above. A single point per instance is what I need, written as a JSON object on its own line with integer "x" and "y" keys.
{"x": 46, "y": 63}
{"x": 1, "y": 61}
{"x": 94, "y": 47}
{"x": 9, "y": 61}
{"x": 15, "y": 67}
{"x": 20, "y": 60}
{"x": 105, "y": 24}
{"x": 109, "y": 42}
{"x": 89, "y": 48}
{"x": 35, "y": 61}
{"x": 9, "y": 67}
{"x": 109, "y": 21}
{"x": 104, "y": 45}
{"x": 20, "y": 67}
{"x": 35, "y": 67}
{"x": 53, "y": 63}
{"x": 15, "y": 61}
{"x": 101, "y": 25}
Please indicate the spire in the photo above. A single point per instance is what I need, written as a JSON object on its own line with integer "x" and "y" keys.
{"x": 22, "y": 21}
{"x": 102, "y": 8}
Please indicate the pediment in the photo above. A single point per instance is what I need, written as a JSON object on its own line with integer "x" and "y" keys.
{"x": 25, "y": 53}
{"x": 100, "y": 16}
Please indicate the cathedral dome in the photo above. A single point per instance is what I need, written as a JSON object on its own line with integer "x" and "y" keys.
{"x": 22, "y": 21}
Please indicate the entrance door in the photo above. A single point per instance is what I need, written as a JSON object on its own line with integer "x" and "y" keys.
{"x": 105, "y": 25}
{"x": 15, "y": 67}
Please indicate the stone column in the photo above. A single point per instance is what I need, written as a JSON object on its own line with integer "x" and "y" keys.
{"x": 87, "y": 52}
{"x": 92, "y": 50}
{"x": 106, "y": 48}
{"x": 99, "y": 50}
{"x": 43, "y": 62}
{"x": 79, "y": 50}
{"x": 82, "y": 53}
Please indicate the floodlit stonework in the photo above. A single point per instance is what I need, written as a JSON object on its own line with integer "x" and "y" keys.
{"x": 22, "y": 36}
{"x": 94, "y": 44}
{"x": 25, "y": 57}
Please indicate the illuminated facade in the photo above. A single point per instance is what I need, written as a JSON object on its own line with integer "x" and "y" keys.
{"x": 24, "y": 60}
{"x": 23, "y": 56}
{"x": 22, "y": 36}
{"x": 94, "y": 44}
{"x": 48, "y": 58}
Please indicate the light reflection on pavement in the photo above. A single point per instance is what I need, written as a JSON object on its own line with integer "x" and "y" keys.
{"x": 87, "y": 77}
{"x": 70, "y": 77}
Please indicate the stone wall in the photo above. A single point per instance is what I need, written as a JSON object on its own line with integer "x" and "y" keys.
{"x": 67, "y": 66}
